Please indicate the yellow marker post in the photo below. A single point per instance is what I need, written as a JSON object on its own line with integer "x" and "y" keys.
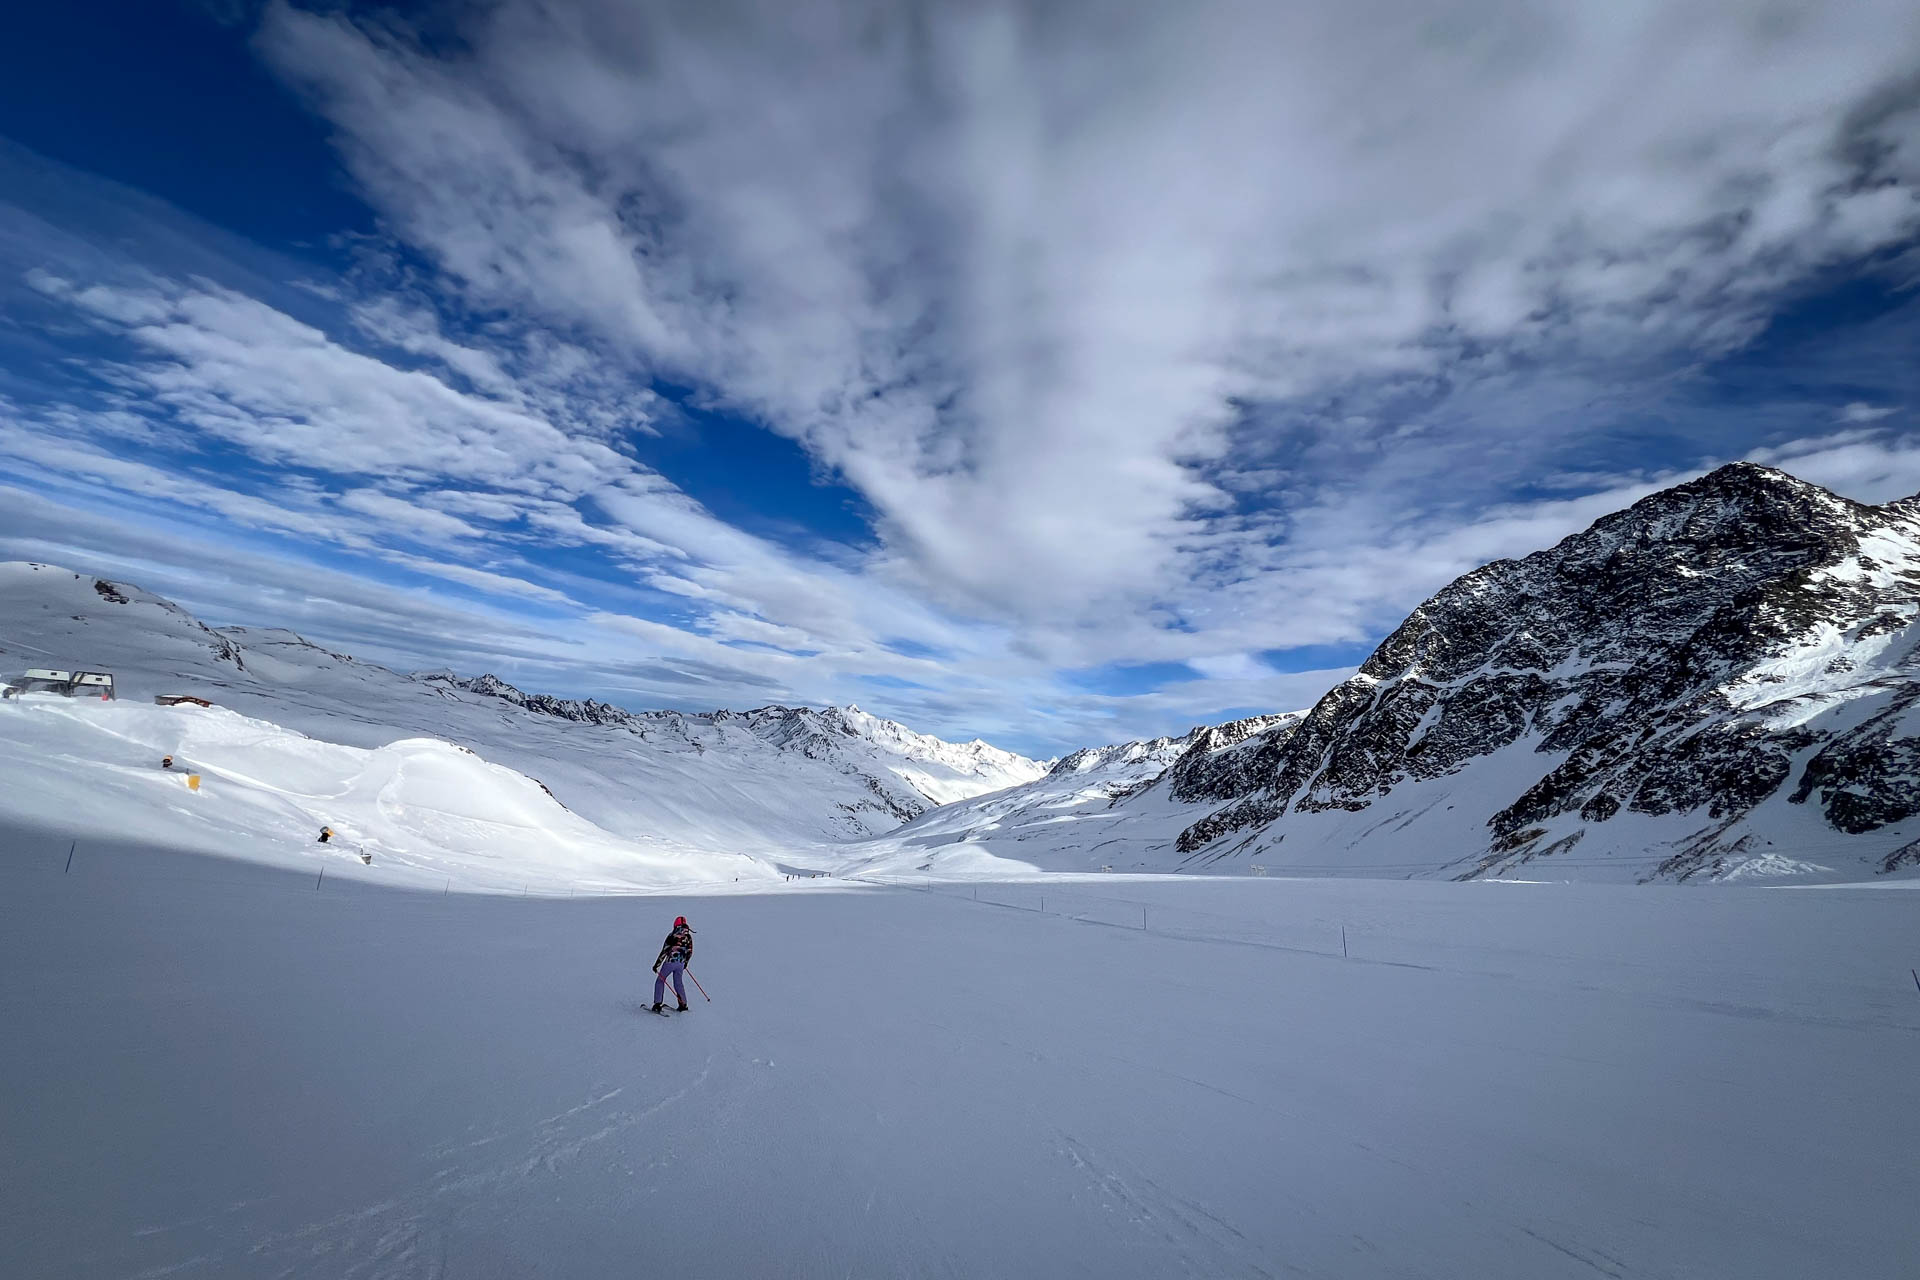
{"x": 193, "y": 782}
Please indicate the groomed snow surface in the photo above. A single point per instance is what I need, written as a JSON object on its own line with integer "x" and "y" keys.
{"x": 213, "y": 1068}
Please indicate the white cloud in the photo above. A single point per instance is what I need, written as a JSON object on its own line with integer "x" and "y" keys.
{"x": 252, "y": 376}
{"x": 1868, "y": 466}
{"x": 1860, "y": 412}
{"x": 414, "y": 518}
{"x": 1016, "y": 283}
{"x": 54, "y": 460}
{"x": 235, "y": 372}
{"x": 1231, "y": 666}
{"x": 498, "y": 584}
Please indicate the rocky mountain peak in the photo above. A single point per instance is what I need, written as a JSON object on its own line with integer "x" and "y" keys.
{"x": 1226, "y": 760}
{"x": 1158, "y": 751}
{"x": 1622, "y": 660}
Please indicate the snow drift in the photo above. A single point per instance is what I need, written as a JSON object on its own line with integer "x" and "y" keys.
{"x": 425, "y": 811}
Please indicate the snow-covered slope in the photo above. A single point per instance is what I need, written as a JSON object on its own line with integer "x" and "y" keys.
{"x": 757, "y": 781}
{"x": 423, "y": 810}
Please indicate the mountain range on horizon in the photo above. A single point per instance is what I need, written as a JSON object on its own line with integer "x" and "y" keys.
{"x": 759, "y": 780}
{"x": 1716, "y": 682}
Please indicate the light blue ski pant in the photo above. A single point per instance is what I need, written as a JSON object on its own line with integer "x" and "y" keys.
{"x": 675, "y": 968}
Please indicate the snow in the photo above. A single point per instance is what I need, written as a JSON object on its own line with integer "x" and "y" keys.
{"x": 1771, "y": 865}
{"x": 1828, "y": 666}
{"x": 427, "y": 812}
{"x": 229, "y": 1072}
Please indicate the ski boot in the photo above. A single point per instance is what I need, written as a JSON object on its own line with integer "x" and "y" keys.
{"x": 683, "y": 1007}
{"x": 659, "y": 1007}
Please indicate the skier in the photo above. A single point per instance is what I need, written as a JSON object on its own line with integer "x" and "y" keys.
{"x": 675, "y": 954}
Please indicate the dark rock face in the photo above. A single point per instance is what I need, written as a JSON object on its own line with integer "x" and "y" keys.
{"x": 1651, "y": 664}
{"x": 814, "y": 734}
{"x": 1869, "y": 777}
{"x": 1907, "y": 855}
{"x": 1227, "y": 760}
{"x": 223, "y": 649}
{"x": 589, "y": 711}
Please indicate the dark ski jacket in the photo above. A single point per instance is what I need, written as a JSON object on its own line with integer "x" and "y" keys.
{"x": 678, "y": 946}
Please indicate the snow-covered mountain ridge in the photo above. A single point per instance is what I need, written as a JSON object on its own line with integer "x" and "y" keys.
{"x": 1152, "y": 754}
{"x": 1083, "y": 816}
{"x": 762, "y": 780}
{"x": 814, "y": 732}
{"x": 1719, "y": 681}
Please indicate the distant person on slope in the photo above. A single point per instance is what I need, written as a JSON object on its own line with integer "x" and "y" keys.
{"x": 676, "y": 953}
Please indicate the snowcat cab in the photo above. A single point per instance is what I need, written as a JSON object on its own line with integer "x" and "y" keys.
{"x": 93, "y": 684}
{"x": 41, "y": 680}
{"x": 65, "y": 684}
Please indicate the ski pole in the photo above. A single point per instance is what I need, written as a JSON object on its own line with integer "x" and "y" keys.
{"x": 703, "y": 990}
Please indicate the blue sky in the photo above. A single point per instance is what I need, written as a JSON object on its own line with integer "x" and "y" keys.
{"x": 1052, "y": 373}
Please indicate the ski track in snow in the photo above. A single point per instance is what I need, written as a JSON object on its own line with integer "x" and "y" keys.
{"x": 397, "y": 1236}
{"x": 1204, "y": 1244}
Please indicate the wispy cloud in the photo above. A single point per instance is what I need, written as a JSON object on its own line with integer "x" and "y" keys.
{"x": 1864, "y": 464}
{"x": 1860, "y": 411}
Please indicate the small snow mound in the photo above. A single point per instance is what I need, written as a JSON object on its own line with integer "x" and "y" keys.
{"x": 1770, "y": 866}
